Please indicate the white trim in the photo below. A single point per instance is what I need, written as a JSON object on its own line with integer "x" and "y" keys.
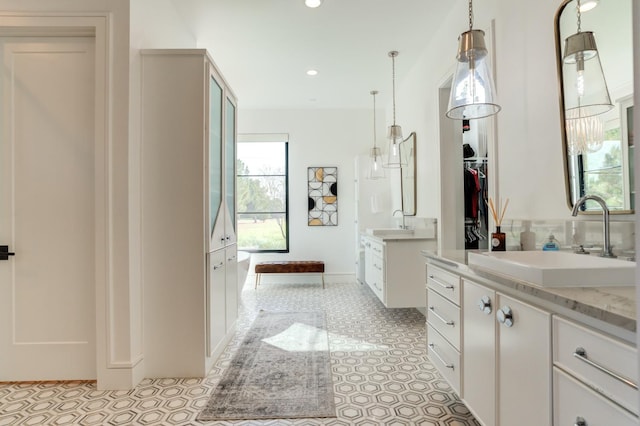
{"x": 263, "y": 137}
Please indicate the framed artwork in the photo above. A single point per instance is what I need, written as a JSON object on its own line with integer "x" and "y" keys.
{"x": 323, "y": 196}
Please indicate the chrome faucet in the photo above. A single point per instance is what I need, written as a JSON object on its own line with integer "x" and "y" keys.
{"x": 404, "y": 226}
{"x": 606, "y": 250}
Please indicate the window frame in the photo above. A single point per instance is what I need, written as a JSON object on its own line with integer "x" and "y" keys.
{"x": 267, "y": 138}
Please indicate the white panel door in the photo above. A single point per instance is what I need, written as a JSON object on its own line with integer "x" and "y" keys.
{"x": 479, "y": 343}
{"x": 47, "y": 214}
{"x": 524, "y": 364}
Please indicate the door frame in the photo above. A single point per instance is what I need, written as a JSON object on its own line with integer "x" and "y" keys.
{"x": 109, "y": 360}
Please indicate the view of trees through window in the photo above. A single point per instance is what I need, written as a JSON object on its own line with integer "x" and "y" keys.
{"x": 603, "y": 171}
{"x": 262, "y": 196}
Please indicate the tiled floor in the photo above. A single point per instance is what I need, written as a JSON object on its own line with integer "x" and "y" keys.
{"x": 380, "y": 371}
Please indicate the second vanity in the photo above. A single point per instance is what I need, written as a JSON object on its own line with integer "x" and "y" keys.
{"x": 393, "y": 265}
{"x": 517, "y": 353}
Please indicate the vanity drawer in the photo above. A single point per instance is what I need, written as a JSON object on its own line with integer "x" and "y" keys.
{"x": 444, "y": 357}
{"x": 377, "y": 248}
{"x": 573, "y": 401}
{"x": 444, "y": 282}
{"x": 444, "y": 316}
{"x": 599, "y": 353}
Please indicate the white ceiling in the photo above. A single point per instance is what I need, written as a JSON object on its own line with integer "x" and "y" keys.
{"x": 264, "y": 47}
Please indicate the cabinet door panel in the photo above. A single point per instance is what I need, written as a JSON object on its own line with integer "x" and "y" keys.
{"x": 524, "y": 360}
{"x": 230, "y": 171}
{"x": 479, "y": 357}
{"x": 216, "y": 301}
{"x": 231, "y": 286}
{"x": 216, "y": 222}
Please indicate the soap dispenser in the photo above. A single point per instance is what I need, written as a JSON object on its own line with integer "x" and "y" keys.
{"x": 551, "y": 244}
{"x": 527, "y": 237}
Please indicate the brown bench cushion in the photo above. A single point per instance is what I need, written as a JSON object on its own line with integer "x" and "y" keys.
{"x": 289, "y": 266}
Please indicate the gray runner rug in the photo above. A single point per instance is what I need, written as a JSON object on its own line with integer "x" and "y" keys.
{"x": 282, "y": 370}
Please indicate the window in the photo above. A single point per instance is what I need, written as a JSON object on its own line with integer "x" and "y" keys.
{"x": 263, "y": 193}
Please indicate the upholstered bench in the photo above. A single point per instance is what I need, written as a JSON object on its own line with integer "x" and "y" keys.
{"x": 289, "y": 267}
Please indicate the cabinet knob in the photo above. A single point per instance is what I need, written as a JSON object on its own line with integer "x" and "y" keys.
{"x": 505, "y": 316}
{"x": 580, "y": 422}
{"x": 484, "y": 303}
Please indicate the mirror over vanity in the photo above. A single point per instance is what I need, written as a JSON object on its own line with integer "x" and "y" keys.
{"x": 408, "y": 175}
{"x": 597, "y": 134}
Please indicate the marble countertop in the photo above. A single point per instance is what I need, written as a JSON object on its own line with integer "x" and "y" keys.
{"x": 610, "y": 309}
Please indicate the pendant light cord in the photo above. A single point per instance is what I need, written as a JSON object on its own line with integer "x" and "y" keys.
{"x": 579, "y": 13}
{"x": 393, "y": 55}
{"x": 471, "y": 15}
{"x": 374, "y": 93}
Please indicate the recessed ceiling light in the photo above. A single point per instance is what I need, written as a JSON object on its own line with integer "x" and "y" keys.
{"x": 588, "y": 5}
{"x": 312, "y": 72}
{"x": 313, "y": 3}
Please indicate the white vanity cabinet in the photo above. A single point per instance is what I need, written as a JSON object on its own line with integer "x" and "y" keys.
{"x": 506, "y": 358}
{"x": 444, "y": 326}
{"x": 187, "y": 187}
{"x": 394, "y": 270}
{"x": 479, "y": 361}
{"x": 595, "y": 377}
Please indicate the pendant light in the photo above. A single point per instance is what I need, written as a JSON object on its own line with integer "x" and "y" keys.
{"x": 472, "y": 92}
{"x": 394, "y": 159}
{"x": 585, "y": 88}
{"x": 586, "y": 95}
{"x": 375, "y": 157}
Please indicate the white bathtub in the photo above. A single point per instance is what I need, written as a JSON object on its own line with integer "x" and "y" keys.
{"x": 244, "y": 260}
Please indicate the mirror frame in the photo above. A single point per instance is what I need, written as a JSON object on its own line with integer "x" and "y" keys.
{"x": 408, "y": 174}
{"x": 565, "y": 154}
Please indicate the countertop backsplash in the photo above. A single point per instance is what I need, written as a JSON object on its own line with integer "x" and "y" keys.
{"x": 571, "y": 234}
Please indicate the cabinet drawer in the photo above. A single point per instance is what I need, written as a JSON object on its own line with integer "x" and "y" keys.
{"x": 445, "y": 283}
{"x": 377, "y": 248}
{"x": 570, "y": 340}
{"x": 444, "y": 316}
{"x": 444, "y": 357}
{"x": 574, "y": 401}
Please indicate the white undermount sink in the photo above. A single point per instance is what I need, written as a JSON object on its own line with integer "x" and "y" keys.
{"x": 557, "y": 268}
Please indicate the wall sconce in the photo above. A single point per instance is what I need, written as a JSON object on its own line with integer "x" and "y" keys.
{"x": 376, "y": 171}
{"x": 394, "y": 159}
{"x": 472, "y": 91}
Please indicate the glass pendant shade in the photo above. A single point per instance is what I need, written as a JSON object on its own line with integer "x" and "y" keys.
{"x": 394, "y": 154}
{"x": 584, "y": 135}
{"x": 585, "y": 88}
{"x": 472, "y": 90}
{"x": 376, "y": 171}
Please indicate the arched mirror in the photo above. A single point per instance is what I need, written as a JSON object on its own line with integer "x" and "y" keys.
{"x": 597, "y": 137}
{"x": 408, "y": 172}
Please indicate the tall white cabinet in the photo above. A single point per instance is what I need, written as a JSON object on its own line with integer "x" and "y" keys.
{"x": 189, "y": 266}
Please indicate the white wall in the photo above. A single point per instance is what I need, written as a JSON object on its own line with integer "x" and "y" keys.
{"x": 317, "y": 138}
{"x": 163, "y": 31}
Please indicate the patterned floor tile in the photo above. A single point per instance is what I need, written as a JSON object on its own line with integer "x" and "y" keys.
{"x": 381, "y": 373}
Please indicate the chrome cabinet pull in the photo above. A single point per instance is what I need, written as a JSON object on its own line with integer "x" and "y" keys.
{"x": 218, "y": 266}
{"x": 484, "y": 303}
{"x": 441, "y": 284}
{"x": 581, "y": 354}
{"x": 580, "y": 422}
{"x": 447, "y": 322}
{"x": 505, "y": 316}
{"x": 446, "y": 364}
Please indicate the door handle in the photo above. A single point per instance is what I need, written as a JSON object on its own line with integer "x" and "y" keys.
{"x": 5, "y": 253}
